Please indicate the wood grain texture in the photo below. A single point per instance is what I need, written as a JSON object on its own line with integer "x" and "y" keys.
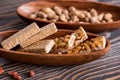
{"x": 108, "y": 67}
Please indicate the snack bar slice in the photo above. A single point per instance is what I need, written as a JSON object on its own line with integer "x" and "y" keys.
{"x": 20, "y": 36}
{"x": 44, "y": 32}
{"x": 43, "y": 46}
{"x": 62, "y": 44}
{"x": 81, "y": 36}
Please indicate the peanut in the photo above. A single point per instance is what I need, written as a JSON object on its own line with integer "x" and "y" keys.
{"x": 32, "y": 73}
{"x": 63, "y": 18}
{"x": 108, "y": 16}
{"x": 57, "y": 10}
{"x": 110, "y": 20}
{"x": 74, "y": 18}
{"x": 93, "y": 12}
{"x": 42, "y": 15}
{"x": 66, "y": 13}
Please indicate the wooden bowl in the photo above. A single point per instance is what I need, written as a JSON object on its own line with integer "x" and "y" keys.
{"x": 26, "y": 9}
{"x": 51, "y": 59}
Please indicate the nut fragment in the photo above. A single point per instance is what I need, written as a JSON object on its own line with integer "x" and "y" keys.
{"x": 66, "y": 13}
{"x": 87, "y": 14}
{"x": 48, "y": 10}
{"x": 80, "y": 14}
{"x": 74, "y": 18}
{"x": 100, "y": 17}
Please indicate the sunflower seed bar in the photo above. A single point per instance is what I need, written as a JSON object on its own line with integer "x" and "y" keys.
{"x": 94, "y": 44}
{"x": 97, "y": 43}
{"x": 39, "y": 47}
{"x": 20, "y": 36}
{"x": 62, "y": 44}
{"x": 44, "y": 32}
{"x": 81, "y": 35}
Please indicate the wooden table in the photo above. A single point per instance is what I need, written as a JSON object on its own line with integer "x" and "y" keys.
{"x": 108, "y": 67}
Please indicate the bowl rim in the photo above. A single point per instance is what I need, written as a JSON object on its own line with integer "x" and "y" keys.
{"x": 57, "y": 55}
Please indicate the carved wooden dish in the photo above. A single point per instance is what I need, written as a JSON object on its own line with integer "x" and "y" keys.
{"x": 51, "y": 59}
{"x": 26, "y": 9}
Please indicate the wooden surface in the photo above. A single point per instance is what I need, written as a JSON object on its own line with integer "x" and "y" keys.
{"x": 106, "y": 68}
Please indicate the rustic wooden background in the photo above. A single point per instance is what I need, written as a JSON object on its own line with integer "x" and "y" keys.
{"x": 106, "y": 68}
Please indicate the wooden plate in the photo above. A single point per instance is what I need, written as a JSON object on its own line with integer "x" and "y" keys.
{"x": 26, "y": 9}
{"x": 51, "y": 59}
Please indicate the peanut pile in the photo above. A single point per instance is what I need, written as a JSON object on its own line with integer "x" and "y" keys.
{"x": 72, "y": 15}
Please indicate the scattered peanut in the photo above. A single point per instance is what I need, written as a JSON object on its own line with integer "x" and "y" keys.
{"x": 57, "y": 10}
{"x": 100, "y": 17}
{"x": 75, "y": 19}
{"x": 42, "y": 15}
{"x": 15, "y": 75}
{"x": 32, "y": 73}
{"x": 63, "y": 18}
{"x": 1, "y": 70}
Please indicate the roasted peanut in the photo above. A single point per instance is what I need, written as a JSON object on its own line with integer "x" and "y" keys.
{"x": 108, "y": 16}
{"x": 48, "y": 10}
{"x": 57, "y": 10}
{"x": 66, "y": 13}
{"x": 74, "y": 18}
{"x": 63, "y": 18}
{"x": 42, "y": 15}
{"x": 87, "y": 14}
{"x": 80, "y": 14}
{"x": 93, "y": 12}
